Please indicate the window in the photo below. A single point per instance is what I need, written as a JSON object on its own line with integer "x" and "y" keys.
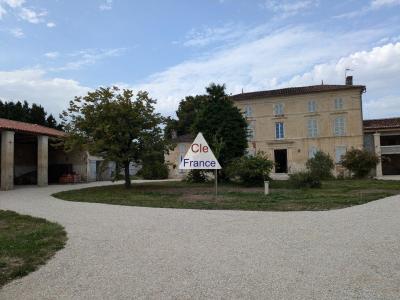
{"x": 338, "y": 103}
{"x": 248, "y": 111}
{"x": 339, "y": 126}
{"x": 279, "y": 130}
{"x": 312, "y": 106}
{"x": 312, "y": 128}
{"x": 339, "y": 152}
{"x": 278, "y": 109}
{"x": 182, "y": 148}
{"x": 312, "y": 151}
{"x": 251, "y": 131}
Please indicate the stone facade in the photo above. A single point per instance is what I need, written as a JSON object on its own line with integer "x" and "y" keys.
{"x": 330, "y": 121}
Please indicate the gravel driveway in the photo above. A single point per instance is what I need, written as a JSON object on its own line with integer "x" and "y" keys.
{"x": 120, "y": 252}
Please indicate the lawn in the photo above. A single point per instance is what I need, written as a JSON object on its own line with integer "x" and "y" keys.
{"x": 333, "y": 194}
{"x": 26, "y": 243}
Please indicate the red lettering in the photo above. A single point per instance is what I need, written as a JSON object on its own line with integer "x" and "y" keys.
{"x": 197, "y": 148}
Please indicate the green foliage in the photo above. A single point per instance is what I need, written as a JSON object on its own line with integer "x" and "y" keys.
{"x": 22, "y": 112}
{"x": 156, "y": 170}
{"x": 251, "y": 170}
{"x": 304, "y": 179}
{"x": 222, "y": 125}
{"x": 196, "y": 176}
{"x": 321, "y": 165}
{"x": 186, "y": 113}
{"x": 114, "y": 124}
{"x": 359, "y": 162}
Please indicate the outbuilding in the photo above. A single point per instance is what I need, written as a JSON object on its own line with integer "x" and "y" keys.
{"x": 30, "y": 156}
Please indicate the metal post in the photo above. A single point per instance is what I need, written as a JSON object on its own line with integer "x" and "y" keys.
{"x": 216, "y": 182}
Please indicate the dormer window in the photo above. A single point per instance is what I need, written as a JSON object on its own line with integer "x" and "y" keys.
{"x": 278, "y": 109}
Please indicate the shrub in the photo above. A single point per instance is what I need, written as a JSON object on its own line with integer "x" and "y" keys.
{"x": 321, "y": 165}
{"x": 304, "y": 179}
{"x": 156, "y": 170}
{"x": 359, "y": 162}
{"x": 251, "y": 170}
{"x": 196, "y": 176}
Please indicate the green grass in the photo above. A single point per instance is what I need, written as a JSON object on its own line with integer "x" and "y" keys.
{"x": 26, "y": 243}
{"x": 333, "y": 194}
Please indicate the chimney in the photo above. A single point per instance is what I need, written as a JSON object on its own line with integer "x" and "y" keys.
{"x": 349, "y": 80}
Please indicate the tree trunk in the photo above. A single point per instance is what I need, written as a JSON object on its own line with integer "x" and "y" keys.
{"x": 127, "y": 175}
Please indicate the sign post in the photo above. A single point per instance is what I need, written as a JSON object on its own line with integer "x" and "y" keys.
{"x": 200, "y": 157}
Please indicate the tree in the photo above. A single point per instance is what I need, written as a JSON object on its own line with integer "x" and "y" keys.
{"x": 186, "y": 113}
{"x": 321, "y": 165}
{"x": 22, "y": 112}
{"x": 359, "y": 162}
{"x": 222, "y": 125}
{"x": 114, "y": 124}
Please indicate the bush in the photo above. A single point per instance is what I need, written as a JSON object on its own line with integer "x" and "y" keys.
{"x": 321, "y": 165}
{"x": 251, "y": 170}
{"x": 359, "y": 162}
{"x": 304, "y": 179}
{"x": 156, "y": 170}
{"x": 196, "y": 176}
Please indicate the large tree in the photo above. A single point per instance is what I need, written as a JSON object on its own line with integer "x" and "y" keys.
{"x": 186, "y": 113}
{"x": 114, "y": 124}
{"x": 222, "y": 124}
{"x": 21, "y": 111}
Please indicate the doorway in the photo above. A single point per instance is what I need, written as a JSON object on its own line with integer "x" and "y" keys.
{"x": 280, "y": 160}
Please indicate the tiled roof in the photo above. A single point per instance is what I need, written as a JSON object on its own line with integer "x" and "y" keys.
{"x": 29, "y": 128}
{"x": 389, "y": 123}
{"x": 296, "y": 91}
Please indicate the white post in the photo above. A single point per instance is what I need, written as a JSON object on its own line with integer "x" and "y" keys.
{"x": 266, "y": 187}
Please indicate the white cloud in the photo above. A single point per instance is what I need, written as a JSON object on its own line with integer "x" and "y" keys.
{"x": 262, "y": 63}
{"x": 2, "y": 11}
{"x": 209, "y": 35}
{"x": 17, "y": 32}
{"x": 289, "y": 7}
{"x": 32, "y": 16}
{"x": 376, "y": 4}
{"x": 378, "y": 69}
{"x": 52, "y": 55}
{"x": 107, "y": 5}
{"x": 51, "y": 24}
{"x": 372, "y": 6}
{"x": 32, "y": 85}
{"x": 13, "y": 3}
{"x": 89, "y": 57}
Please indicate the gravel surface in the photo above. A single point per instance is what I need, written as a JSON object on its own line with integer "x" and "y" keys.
{"x": 121, "y": 252}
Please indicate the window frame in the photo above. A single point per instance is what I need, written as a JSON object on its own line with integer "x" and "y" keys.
{"x": 338, "y": 103}
{"x": 312, "y": 106}
{"x": 339, "y": 128}
{"x": 279, "y": 130}
{"x": 279, "y": 109}
{"x": 312, "y": 128}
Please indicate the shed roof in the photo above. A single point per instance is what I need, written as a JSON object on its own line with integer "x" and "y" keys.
{"x": 376, "y": 124}
{"x": 29, "y": 128}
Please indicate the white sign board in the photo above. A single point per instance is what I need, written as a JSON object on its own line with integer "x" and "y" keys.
{"x": 199, "y": 156}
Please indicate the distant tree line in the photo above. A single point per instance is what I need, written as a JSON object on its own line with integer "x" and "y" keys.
{"x": 23, "y": 112}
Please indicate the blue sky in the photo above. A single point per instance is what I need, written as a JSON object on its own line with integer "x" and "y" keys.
{"x": 51, "y": 51}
